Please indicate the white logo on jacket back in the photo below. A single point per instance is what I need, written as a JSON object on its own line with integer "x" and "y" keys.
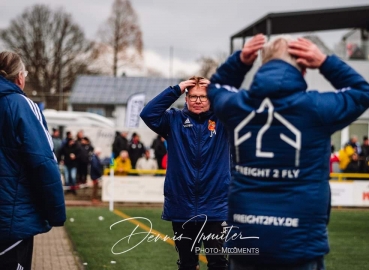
{"x": 267, "y": 104}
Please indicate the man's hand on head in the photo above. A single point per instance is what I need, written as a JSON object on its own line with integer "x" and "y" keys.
{"x": 250, "y": 50}
{"x": 308, "y": 54}
{"x": 204, "y": 82}
{"x": 183, "y": 85}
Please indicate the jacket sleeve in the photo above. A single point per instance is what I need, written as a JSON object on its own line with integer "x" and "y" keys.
{"x": 338, "y": 109}
{"x": 232, "y": 72}
{"x": 224, "y": 84}
{"x": 155, "y": 113}
{"x": 37, "y": 155}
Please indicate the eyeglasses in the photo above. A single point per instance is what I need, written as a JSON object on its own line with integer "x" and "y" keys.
{"x": 194, "y": 98}
{"x": 25, "y": 73}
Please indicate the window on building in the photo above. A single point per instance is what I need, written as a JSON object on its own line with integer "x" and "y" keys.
{"x": 99, "y": 111}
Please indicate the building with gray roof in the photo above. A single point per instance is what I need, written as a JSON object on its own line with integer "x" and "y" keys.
{"x": 108, "y": 96}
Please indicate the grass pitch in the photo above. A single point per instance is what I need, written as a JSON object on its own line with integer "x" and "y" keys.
{"x": 93, "y": 238}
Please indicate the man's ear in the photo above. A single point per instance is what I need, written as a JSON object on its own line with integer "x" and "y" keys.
{"x": 18, "y": 81}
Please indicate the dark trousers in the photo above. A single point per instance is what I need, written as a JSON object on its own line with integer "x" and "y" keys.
{"x": 188, "y": 251}
{"x": 19, "y": 257}
{"x": 82, "y": 170}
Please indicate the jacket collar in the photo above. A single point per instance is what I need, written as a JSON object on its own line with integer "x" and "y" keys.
{"x": 277, "y": 78}
{"x": 7, "y": 87}
{"x": 199, "y": 117}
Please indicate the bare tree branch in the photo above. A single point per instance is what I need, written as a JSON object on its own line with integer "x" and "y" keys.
{"x": 53, "y": 47}
{"x": 122, "y": 32}
{"x": 209, "y": 64}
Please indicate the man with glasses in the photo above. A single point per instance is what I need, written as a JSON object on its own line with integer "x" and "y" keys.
{"x": 198, "y": 172}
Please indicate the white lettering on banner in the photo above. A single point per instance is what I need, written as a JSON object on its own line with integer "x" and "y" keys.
{"x": 266, "y": 173}
{"x": 135, "y": 105}
{"x": 267, "y": 104}
{"x": 266, "y": 220}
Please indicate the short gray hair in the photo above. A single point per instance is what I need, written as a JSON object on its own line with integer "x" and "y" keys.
{"x": 277, "y": 48}
{"x": 10, "y": 65}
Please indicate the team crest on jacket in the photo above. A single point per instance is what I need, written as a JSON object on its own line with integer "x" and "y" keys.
{"x": 211, "y": 127}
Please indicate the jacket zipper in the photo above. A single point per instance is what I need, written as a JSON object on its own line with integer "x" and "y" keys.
{"x": 198, "y": 171}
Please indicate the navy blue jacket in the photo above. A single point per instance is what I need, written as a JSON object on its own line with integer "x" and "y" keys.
{"x": 280, "y": 141}
{"x": 198, "y": 172}
{"x": 31, "y": 192}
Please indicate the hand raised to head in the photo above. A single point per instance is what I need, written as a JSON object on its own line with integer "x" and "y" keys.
{"x": 204, "y": 82}
{"x": 183, "y": 85}
{"x": 308, "y": 54}
{"x": 250, "y": 50}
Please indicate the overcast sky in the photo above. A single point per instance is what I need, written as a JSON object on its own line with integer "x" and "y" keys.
{"x": 193, "y": 28}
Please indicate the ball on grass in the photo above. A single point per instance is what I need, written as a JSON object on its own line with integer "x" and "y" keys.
{"x": 71, "y": 219}
{"x": 101, "y": 218}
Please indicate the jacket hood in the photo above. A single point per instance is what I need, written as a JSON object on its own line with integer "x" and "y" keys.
{"x": 277, "y": 78}
{"x": 7, "y": 87}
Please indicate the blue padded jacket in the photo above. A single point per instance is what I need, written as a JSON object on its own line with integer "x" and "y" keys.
{"x": 198, "y": 172}
{"x": 280, "y": 143}
{"x": 31, "y": 192}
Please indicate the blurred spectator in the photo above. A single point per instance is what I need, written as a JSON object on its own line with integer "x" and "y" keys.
{"x": 354, "y": 165}
{"x": 68, "y": 135}
{"x": 344, "y": 156}
{"x": 57, "y": 142}
{"x": 146, "y": 163}
{"x": 164, "y": 161}
{"x": 160, "y": 149}
{"x": 79, "y": 136}
{"x": 122, "y": 164}
{"x": 84, "y": 160}
{"x": 70, "y": 154}
{"x": 354, "y": 144}
{"x": 364, "y": 155}
{"x": 96, "y": 172}
{"x": 136, "y": 149}
{"x": 334, "y": 158}
{"x": 120, "y": 143}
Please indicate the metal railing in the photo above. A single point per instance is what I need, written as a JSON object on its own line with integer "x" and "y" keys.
{"x": 140, "y": 172}
{"x": 343, "y": 176}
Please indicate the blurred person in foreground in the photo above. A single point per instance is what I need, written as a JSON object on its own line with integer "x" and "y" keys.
{"x": 31, "y": 192}
{"x": 281, "y": 139}
{"x": 198, "y": 172}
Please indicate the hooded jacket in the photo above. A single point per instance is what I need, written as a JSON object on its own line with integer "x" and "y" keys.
{"x": 31, "y": 192}
{"x": 198, "y": 170}
{"x": 280, "y": 141}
